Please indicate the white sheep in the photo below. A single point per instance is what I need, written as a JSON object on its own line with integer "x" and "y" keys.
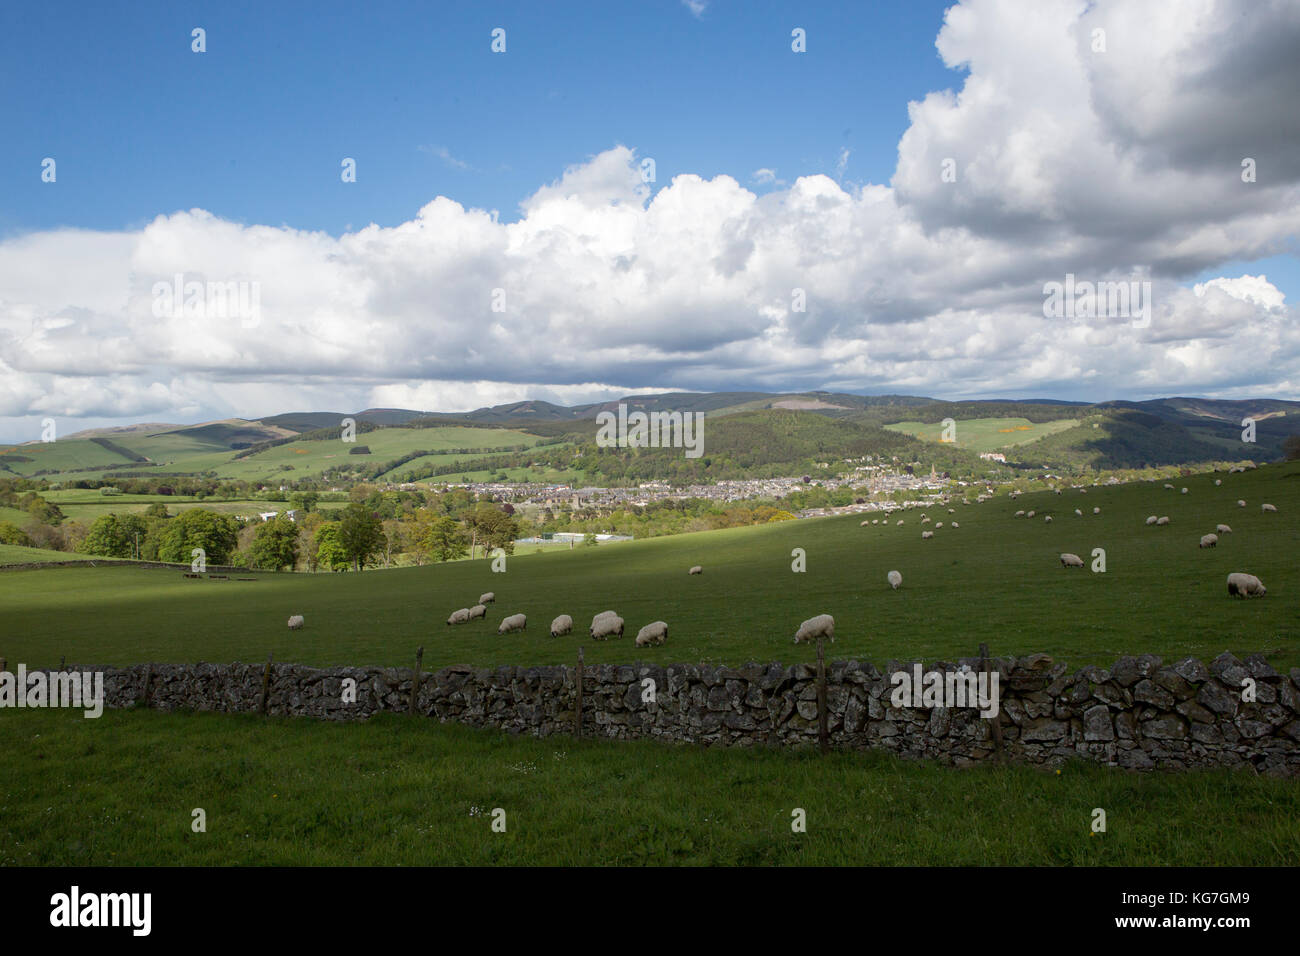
{"x": 1078, "y": 512}
{"x": 1168, "y": 487}
{"x": 1071, "y": 560}
{"x": 459, "y": 617}
{"x": 954, "y": 525}
{"x": 655, "y": 632}
{"x": 1241, "y": 503}
{"x": 1184, "y": 491}
{"x": 894, "y": 579}
{"x": 1151, "y": 519}
{"x": 1223, "y": 529}
{"x": 1096, "y": 511}
{"x": 1267, "y": 507}
{"x": 900, "y": 521}
{"x": 1020, "y": 514}
{"x": 1217, "y": 482}
{"x": 938, "y": 524}
{"x": 604, "y": 625}
{"x": 478, "y": 610}
{"x": 515, "y": 622}
{"x": 823, "y": 625}
{"x": 487, "y": 598}
{"x": 864, "y": 523}
{"x": 925, "y": 519}
{"x": 1245, "y": 585}
{"x": 953, "y": 511}
{"x": 1048, "y": 519}
{"x": 1209, "y": 541}
{"x": 696, "y": 570}
{"x": 1029, "y": 514}
{"x": 1162, "y": 520}
{"x": 926, "y": 534}
{"x": 296, "y": 622}
{"x": 561, "y": 625}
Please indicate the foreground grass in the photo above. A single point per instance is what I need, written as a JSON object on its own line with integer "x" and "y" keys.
{"x": 410, "y": 791}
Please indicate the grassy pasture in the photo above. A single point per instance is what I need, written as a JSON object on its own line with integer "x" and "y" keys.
{"x": 996, "y": 579}
{"x": 987, "y": 434}
{"x": 411, "y": 791}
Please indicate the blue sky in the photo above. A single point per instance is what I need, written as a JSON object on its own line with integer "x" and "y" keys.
{"x": 814, "y": 178}
{"x": 254, "y": 129}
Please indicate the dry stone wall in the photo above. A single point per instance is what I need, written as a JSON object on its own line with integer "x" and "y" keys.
{"x": 1138, "y": 714}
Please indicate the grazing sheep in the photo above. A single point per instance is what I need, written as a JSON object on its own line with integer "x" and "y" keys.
{"x": 823, "y": 625}
{"x": 924, "y": 519}
{"x": 938, "y": 524}
{"x": 696, "y": 570}
{"x": 1078, "y": 512}
{"x": 864, "y": 523}
{"x": 894, "y": 579}
{"x": 954, "y": 525}
{"x": 487, "y": 598}
{"x": 1083, "y": 491}
{"x": 874, "y": 520}
{"x": 1096, "y": 511}
{"x": 1168, "y": 487}
{"x": 1029, "y": 514}
{"x": 900, "y": 521}
{"x": 1071, "y": 560}
{"x": 561, "y": 625}
{"x": 926, "y": 534}
{"x": 478, "y": 610}
{"x": 1245, "y": 585}
{"x": 1162, "y": 520}
{"x": 1241, "y": 503}
{"x": 1267, "y": 507}
{"x": 655, "y": 632}
{"x": 1184, "y": 491}
{"x": 1048, "y": 519}
{"x": 1209, "y": 541}
{"x": 459, "y": 617}
{"x": 515, "y": 622}
{"x": 605, "y": 625}
{"x": 1217, "y": 482}
{"x": 1223, "y": 529}
{"x": 296, "y": 622}
{"x": 1151, "y": 519}
{"x": 953, "y": 511}
{"x": 1020, "y": 514}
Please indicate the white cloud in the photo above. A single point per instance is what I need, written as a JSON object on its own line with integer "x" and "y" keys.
{"x": 922, "y": 285}
{"x": 697, "y": 7}
{"x": 443, "y": 153}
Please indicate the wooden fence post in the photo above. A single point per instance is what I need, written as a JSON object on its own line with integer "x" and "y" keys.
{"x": 996, "y": 718}
{"x": 415, "y": 678}
{"x": 577, "y": 717}
{"x": 266, "y": 684}
{"x": 823, "y": 734}
{"x": 148, "y": 679}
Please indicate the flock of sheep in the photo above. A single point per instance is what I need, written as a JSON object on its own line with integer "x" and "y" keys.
{"x": 604, "y": 625}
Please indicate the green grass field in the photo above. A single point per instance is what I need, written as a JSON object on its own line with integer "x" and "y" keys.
{"x": 398, "y": 790}
{"x": 995, "y": 579}
{"x": 986, "y": 434}
{"x": 411, "y": 791}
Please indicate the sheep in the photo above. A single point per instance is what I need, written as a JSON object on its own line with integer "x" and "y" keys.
{"x": 954, "y": 525}
{"x": 605, "y": 625}
{"x": 1151, "y": 519}
{"x": 696, "y": 570}
{"x": 1217, "y": 482}
{"x": 515, "y": 622}
{"x": 1184, "y": 491}
{"x": 926, "y": 534}
{"x": 1078, "y": 512}
{"x": 561, "y": 625}
{"x": 1223, "y": 529}
{"x": 1020, "y": 514}
{"x": 953, "y": 511}
{"x": 296, "y": 622}
{"x": 1083, "y": 491}
{"x": 1241, "y": 503}
{"x": 1245, "y": 585}
{"x": 1162, "y": 520}
{"x": 1209, "y": 541}
{"x": 458, "y": 617}
{"x": 1267, "y": 507}
{"x": 823, "y": 625}
{"x": 894, "y": 579}
{"x": 874, "y": 520}
{"x": 925, "y": 519}
{"x": 1029, "y": 514}
{"x": 1071, "y": 560}
{"x": 1096, "y": 511}
{"x": 863, "y": 524}
{"x": 900, "y": 521}
{"x": 1048, "y": 519}
{"x": 478, "y": 610}
{"x": 487, "y": 598}
{"x": 655, "y": 632}
{"x": 938, "y": 524}
{"x": 1168, "y": 487}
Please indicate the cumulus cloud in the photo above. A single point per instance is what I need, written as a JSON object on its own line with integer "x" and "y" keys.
{"x": 1100, "y": 165}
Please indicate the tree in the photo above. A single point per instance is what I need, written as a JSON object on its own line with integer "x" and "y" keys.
{"x": 275, "y": 545}
{"x": 329, "y": 552}
{"x": 303, "y": 502}
{"x": 156, "y": 510}
{"x": 113, "y": 536}
{"x": 443, "y": 539}
{"x": 216, "y": 534}
{"x": 360, "y": 534}
{"x": 10, "y": 533}
{"x": 493, "y": 528}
